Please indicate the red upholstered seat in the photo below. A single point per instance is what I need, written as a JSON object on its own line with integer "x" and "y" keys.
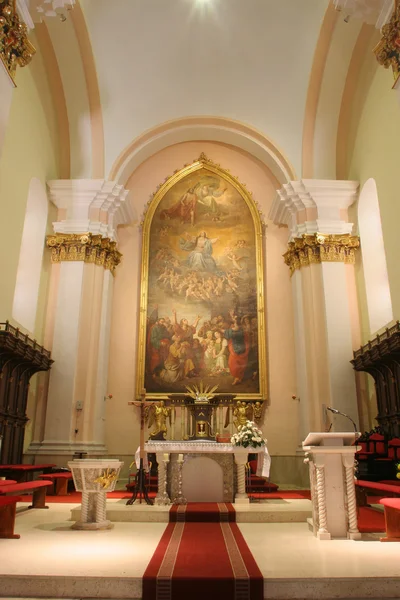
{"x": 26, "y": 467}
{"x": 379, "y": 486}
{"x": 7, "y": 516}
{"x": 376, "y": 443}
{"x": 391, "y": 482}
{"x": 394, "y": 449}
{"x": 391, "y": 502}
{"x": 37, "y": 487}
{"x": 60, "y": 480}
{"x": 23, "y": 487}
{"x": 63, "y": 475}
{"x": 7, "y": 481}
{"x": 392, "y": 519}
{"x": 5, "y": 500}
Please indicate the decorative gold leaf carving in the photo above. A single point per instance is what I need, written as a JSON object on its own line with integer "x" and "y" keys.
{"x": 15, "y": 48}
{"x": 318, "y": 247}
{"x": 84, "y": 247}
{"x": 387, "y": 51}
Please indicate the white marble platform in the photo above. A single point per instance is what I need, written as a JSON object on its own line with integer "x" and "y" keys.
{"x": 53, "y": 561}
{"x": 269, "y": 511}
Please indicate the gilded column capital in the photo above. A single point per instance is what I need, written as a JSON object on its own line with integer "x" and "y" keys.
{"x": 15, "y": 48}
{"x": 387, "y": 51}
{"x": 84, "y": 247}
{"x": 318, "y": 248}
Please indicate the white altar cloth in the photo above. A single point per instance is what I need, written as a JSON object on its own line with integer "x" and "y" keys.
{"x": 182, "y": 447}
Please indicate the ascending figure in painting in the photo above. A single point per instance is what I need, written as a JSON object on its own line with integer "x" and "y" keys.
{"x": 158, "y": 416}
{"x": 207, "y": 194}
{"x": 201, "y": 249}
{"x": 184, "y": 209}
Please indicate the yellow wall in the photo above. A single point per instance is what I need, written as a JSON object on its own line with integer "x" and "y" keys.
{"x": 30, "y": 150}
{"x": 373, "y": 151}
{"x": 376, "y": 154}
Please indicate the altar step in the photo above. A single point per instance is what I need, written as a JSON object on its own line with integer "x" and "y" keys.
{"x": 267, "y": 511}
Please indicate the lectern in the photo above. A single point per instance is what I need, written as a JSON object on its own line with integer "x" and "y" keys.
{"x": 330, "y": 458}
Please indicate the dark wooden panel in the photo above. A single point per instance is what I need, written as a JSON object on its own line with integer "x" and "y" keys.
{"x": 20, "y": 358}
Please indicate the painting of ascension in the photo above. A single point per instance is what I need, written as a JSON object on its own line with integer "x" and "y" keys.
{"x": 202, "y": 314}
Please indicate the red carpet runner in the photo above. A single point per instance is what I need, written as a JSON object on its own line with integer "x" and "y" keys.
{"x": 206, "y": 559}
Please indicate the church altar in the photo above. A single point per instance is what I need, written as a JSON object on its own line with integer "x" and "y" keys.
{"x": 202, "y": 471}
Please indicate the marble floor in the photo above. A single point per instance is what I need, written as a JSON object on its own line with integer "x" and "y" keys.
{"x": 52, "y": 561}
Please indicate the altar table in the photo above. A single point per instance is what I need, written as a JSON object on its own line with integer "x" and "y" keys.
{"x": 225, "y": 455}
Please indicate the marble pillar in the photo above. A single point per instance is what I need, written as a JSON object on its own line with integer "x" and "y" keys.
{"x": 84, "y": 257}
{"x": 320, "y": 257}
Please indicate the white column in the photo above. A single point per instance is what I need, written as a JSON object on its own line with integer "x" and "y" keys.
{"x": 241, "y": 459}
{"x": 349, "y": 464}
{"x": 78, "y": 389}
{"x": 321, "y": 300}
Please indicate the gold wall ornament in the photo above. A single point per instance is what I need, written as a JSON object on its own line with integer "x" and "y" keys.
{"x": 387, "y": 51}
{"x": 85, "y": 247}
{"x": 316, "y": 248}
{"x": 15, "y": 47}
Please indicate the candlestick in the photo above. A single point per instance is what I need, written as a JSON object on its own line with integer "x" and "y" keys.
{"x": 180, "y": 498}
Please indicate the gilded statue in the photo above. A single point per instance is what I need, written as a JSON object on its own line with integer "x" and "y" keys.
{"x": 157, "y": 415}
{"x": 257, "y": 411}
{"x": 240, "y": 414}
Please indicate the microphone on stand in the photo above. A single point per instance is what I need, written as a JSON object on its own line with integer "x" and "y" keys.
{"x": 335, "y": 411}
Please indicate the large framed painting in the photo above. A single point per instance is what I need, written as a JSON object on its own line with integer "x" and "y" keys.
{"x": 202, "y": 313}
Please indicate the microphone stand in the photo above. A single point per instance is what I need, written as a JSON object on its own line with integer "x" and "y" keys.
{"x": 335, "y": 411}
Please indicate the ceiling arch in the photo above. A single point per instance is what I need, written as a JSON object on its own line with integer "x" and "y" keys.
{"x": 202, "y": 128}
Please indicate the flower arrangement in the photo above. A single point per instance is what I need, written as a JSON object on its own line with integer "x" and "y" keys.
{"x": 248, "y": 435}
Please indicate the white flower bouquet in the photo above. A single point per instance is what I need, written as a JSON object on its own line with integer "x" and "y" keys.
{"x": 248, "y": 435}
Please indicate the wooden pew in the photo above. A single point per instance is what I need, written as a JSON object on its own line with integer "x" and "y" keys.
{"x": 37, "y": 487}
{"x": 7, "y": 516}
{"x": 392, "y": 519}
{"x": 362, "y": 488}
{"x": 23, "y": 472}
{"x": 60, "y": 481}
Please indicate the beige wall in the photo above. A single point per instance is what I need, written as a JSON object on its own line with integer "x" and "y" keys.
{"x": 281, "y": 417}
{"x": 30, "y": 150}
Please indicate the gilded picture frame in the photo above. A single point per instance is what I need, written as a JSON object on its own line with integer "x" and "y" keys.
{"x": 202, "y": 313}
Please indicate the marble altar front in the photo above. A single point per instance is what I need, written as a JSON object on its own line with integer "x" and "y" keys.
{"x": 213, "y": 484}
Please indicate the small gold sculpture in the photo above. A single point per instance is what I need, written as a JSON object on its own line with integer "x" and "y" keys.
{"x": 201, "y": 393}
{"x": 241, "y": 412}
{"x": 257, "y": 411}
{"x": 157, "y": 415}
{"x": 106, "y": 478}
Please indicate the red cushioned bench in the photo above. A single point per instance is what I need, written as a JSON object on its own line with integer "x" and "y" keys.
{"x": 37, "y": 487}
{"x": 392, "y": 519}
{"x": 389, "y": 489}
{"x": 255, "y": 483}
{"x": 60, "y": 481}
{"x": 23, "y": 472}
{"x": 7, "y": 481}
{"x": 7, "y": 516}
